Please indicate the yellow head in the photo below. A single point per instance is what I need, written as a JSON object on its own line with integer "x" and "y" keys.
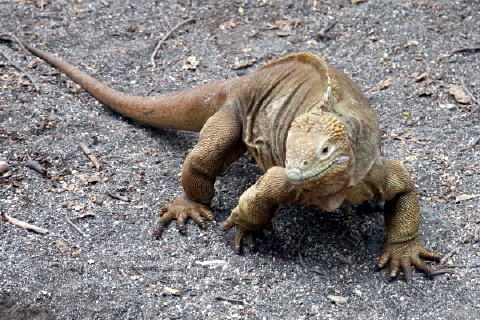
{"x": 317, "y": 149}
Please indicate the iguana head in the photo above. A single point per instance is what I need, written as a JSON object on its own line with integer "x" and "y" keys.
{"x": 317, "y": 149}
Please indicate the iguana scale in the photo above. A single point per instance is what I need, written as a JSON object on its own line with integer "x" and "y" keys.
{"x": 310, "y": 130}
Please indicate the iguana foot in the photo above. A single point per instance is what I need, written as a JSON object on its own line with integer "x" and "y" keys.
{"x": 181, "y": 209}
{"x": 405, "y": 254}
{"x": 244, "y": 234}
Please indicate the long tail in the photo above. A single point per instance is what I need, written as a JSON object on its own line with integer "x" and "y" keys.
{"x": 184, "y": 110}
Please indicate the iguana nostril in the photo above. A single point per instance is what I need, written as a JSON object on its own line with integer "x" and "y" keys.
{"x": 305, "y": 163}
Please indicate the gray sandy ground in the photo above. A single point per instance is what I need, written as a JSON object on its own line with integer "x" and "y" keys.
{"x": 118, "y": 271}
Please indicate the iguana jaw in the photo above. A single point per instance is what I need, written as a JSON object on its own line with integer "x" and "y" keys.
{"x": 298, "y": 176}
{"x": 317, "y": 149}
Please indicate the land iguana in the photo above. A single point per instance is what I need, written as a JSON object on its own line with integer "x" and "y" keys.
{"x": 310, "y": 130}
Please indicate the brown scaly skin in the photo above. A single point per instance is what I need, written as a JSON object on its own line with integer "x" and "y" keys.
{"x": 309, "y": 128}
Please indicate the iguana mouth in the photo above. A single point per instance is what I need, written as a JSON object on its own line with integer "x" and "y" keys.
{"x": 297, "y": 176}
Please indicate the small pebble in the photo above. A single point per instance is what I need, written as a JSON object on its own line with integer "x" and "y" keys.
{"x": 3, "y": 167}
{"x": 337, "y": 299}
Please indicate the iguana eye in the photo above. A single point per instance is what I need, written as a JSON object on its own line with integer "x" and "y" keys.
{"x": 324, "y": 151}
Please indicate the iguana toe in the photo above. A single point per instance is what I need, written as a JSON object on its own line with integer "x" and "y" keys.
{"x": 429, "y": 255}
{"x": 181, "y": 219}
{"x": 242, "y": 236}
{"x": 238, "y": 240}
{"x": 239, "y": 234}
{"x": 181, "y": 209}
{"x": 227, "y": 225}
{"x": 249, "y": 238}
{"x": 406, "y": 266}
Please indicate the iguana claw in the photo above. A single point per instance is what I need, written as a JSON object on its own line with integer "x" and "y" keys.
{"x": 181, "y": 209}
{"x": 243, "y": 235}
{"x": 405, "y": 254}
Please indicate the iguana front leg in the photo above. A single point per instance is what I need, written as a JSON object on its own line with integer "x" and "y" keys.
{"x": 219, "y": 144}
{"x": 257, "y": 205}
{"x": 402, "y": 220}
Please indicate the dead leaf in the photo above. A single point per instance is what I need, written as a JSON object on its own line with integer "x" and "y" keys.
{"x": 383, "y": 84}
{"x": 459, "y": 94}
{"x": 94, "y": 178}
{"x": 466, "y": 197}
{"x": 284, "y": 33}
{"x": 421, "y": 77}
{"x": 132, "y": 28}
{"x": 447, "y": 106}
{"x": 431, "y": 92}
{"x": 287, "y": 22}
{"x": 357, "y": 1}
{"x": 228, "y": 25}
{"x": 191, "y": 63}
{"x": 337, "y": 299}
{"x": 243, "y": 64}
{"x": 172, "y": 291}
{"x": 77, "y": 89}
{"x": 61, "y": 246}
{"x": 83, "y": 215}
{"x": 451, "y": 179}
{"x": 271, "y": 26}
{"x": 284, "y": 24}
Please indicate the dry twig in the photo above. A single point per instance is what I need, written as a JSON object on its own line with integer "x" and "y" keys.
{"x": 465, "y": 49}
{"x": 299, "y": 244}
{"x": 92, "y": 157}
{"x": 445, "y": 269}
{"x": 75, "y": 227}
{"x": 476, "y": 234}
{"x": 32, "y": 164}
{"x": 22, "y": 70}
{"x": 152, "y": 57}
{"x": 300, "y": 258}
{"x": 221, "y": 298}
{"x": 448, "y": 256}
{"x": 471, "y": 96}
{"x": 462, "y": 266}
{"x": 165, "y": 18}
{"x": 116, "y": 196}
{"x": 123, "y": 274}
{"x": 468, "y": 92}
{"x": 434, "y": 273}
{"x": 474, "y": 142}
{"x": 22, "y": 224}
{"x": 323, "y": 32}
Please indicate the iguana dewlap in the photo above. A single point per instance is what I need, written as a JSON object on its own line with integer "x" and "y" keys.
{"x": 309, "y": 128}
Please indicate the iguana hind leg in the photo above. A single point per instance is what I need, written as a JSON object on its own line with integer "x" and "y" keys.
{"x": 402, "y": 220}
{"x": 219, "y": 144}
